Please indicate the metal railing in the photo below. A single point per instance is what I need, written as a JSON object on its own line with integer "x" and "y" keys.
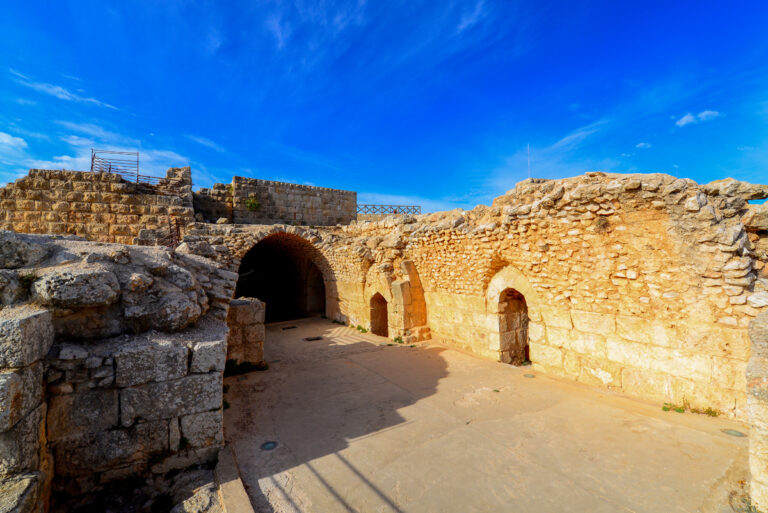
{"x": 123, "y": 163}
{"x": 388, "y": 209}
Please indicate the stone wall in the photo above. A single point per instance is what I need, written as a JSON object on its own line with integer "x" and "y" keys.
{"x": 98, "y": 206}
{"x": 757, "y": 401}
{"x": 643, "y": 284}
{"x": 245, "y": 341}
{"x": 111, "y": 360}
{"x": 251, "y": 201}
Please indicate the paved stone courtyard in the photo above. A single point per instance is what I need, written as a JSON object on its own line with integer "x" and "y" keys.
{"x": 366, "y": 426}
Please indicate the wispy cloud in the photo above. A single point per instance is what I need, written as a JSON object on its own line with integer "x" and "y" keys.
{"x": 57, "y": 91}
{"x": 14, "y": 143}
{"x": 576, "y": 137}
{"x": 643, "y": 145}
{"x": 468, "y": 19}
{"x": 279, "y": 29}
{"x": 705, "y": 115}
{"x": 204, "y": 141}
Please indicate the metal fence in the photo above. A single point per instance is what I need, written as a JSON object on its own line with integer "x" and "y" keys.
{"x": 123, "y": 163}
{"x": 388, "y": 209}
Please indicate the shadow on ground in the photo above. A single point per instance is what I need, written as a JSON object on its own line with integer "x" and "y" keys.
{"x": 281, "y": 404}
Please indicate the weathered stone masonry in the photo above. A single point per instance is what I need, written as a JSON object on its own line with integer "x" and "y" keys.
{"x": 252, "y": 201}
{"x": 99, "y": 206}
{"x": 112, "y": 368}
{"x": 639, "y": 283}
{"x": 644, "y": 284}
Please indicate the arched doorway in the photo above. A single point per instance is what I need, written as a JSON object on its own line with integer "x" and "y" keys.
{"x": 280, "y": 270}
{"x": 379, "y": 316}
{"x": 513, "y": 327}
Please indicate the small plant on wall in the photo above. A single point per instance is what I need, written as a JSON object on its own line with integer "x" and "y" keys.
{"x": 252, "y": 204}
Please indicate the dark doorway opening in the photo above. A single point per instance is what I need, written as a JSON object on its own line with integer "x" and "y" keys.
{"x": 513, "y": 327}
{"x": 379, "y": 316}
{"x": 279, "y": 271}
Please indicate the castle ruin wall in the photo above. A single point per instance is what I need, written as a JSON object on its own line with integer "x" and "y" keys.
{"x": 253, "y": 201}
{"x": 111, "y": 366}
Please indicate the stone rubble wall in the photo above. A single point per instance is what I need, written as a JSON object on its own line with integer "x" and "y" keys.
{"x": 245, "y": 341}
{"x": 98, "y": 206}
{"x": 111, "y": 364}
{"x": 252, "y": 201}
{"x": 757, "y": 403}
{"x": 643, "y": 284}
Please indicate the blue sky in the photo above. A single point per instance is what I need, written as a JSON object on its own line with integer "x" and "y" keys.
{"x": 432, "y": 103}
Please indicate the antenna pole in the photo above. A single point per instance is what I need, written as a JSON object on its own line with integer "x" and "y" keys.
{"x": 529, "y": 160}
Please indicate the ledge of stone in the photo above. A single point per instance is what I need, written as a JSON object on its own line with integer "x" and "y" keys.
{"x": 231, "y": 489}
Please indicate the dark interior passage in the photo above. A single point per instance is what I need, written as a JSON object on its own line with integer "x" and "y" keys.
{"x": 379, "y": 316}
{"x": 279, "y": 271}
{"x": 513, "y": 326}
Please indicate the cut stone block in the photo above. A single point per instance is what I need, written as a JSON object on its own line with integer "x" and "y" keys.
{"x": 26, "y": 335}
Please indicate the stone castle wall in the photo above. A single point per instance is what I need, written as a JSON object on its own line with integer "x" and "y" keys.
{"x": 111, "y": 366}
{"x": 643, "y": 284}
{"x": 252, "y": 201}
{"x": 98, "y": 206}
{"x": 245, "y": 340}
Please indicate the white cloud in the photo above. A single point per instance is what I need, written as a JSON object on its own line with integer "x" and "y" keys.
{"x": 10, "y": 142}
{"x": 576, "y": 137}
{"x": 56, "y": 91}
{"x": 643, "y": 145}
{"x": 705, "y": 115}
{"x": 206, "y": 142}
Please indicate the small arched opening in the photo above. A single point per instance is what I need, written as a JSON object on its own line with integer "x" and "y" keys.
{"x": 513, "y": 327}
{"x": 379, "y": 316}
{"x": 280, "y": 270}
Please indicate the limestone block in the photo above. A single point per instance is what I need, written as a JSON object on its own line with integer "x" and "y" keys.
{"x": 192, "y": 394}
{"x": 18, "y": 250}
{"x": 545, "y": 355}
{"x": 21, "y": 494}
{"x": 26, "y": 335}
{"x": 203, "y": 429}
{"x": 21, "y": 391}
{"x": 758, "y": 300}
{"x": 20, "y": 445}
{"x": 208, "y": 356}
{"x": 557, "y": 318}
{"x": 583, "y": 343}
{"x": 646, "y": 383}
{"x": 633, "y": 328}
{"x": 756, "y": 218}
{"x": 86, "y": 412}
{"x": 758, "y": 334}
{"x": 152, "y": 361}
{"x": 77, "y": 288}
{"x": 674, "y": 362}
{"x": 536, "y": 332}
{"x": 11, "y": 289}
{"x": 253, "y": 352}
{"x": 600, "y": 372}
{"x": 107, "y": 450}
{"x": 254, "y": 333}
{"x": 10, "y": 399}
{"x": 593, "y": 322}
{"x": 729, "y": 373}
{"x": 758, "y": 454}
{"x": 165, "y": 308}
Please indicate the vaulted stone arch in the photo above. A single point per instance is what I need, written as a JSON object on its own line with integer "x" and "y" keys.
{"x": 513, "y": 316}
{"x": 289, "y": 274}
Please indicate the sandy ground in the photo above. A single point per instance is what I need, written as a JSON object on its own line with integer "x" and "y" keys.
{"x": 366, "y": 427}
